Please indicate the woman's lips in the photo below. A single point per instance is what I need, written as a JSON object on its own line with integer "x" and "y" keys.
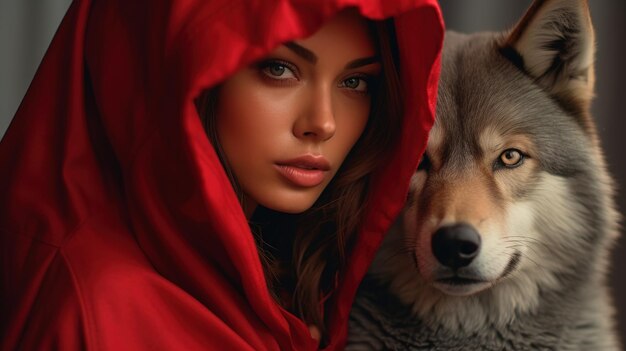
{"x": 306, "y": 171}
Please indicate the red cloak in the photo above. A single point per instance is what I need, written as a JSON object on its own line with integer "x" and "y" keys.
{"x": 119, "y": 229}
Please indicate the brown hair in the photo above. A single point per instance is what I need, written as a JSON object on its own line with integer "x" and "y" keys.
{"x": 310, "y": 264}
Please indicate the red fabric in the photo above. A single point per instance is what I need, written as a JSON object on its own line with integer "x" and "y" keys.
{"x": 118, "y": 227}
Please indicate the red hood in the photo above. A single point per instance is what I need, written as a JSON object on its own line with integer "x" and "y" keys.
{"x": 107, "y": 151}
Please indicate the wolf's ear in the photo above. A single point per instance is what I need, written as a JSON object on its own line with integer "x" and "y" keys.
{"x": 555, "y": 42}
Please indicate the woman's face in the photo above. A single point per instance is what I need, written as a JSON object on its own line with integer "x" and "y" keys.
{"x": 287, "y": 123}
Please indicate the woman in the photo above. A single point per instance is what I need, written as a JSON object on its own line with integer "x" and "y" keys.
{"x": 120, "y": 226}
{"x": 284, "y": 126}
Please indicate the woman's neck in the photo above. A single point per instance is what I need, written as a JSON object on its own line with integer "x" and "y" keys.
{"x": 249, "y": 206}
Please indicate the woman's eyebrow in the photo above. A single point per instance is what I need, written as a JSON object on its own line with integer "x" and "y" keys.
{"x": 362, "y": 62}
{"x": 302, "y": 52}
{"x": 312, "y": 58}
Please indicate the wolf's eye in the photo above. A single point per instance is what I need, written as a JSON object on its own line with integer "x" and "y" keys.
{"x": 511, "y": 158}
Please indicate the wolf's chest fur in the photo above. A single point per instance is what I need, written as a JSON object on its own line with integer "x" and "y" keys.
{"x": 379, "y": 322}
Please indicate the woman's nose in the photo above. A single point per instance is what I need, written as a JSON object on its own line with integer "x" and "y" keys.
{"x": 317, "y": 117}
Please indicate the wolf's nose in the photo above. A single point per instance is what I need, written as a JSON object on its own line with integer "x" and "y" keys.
{"x": 455, "y": 246}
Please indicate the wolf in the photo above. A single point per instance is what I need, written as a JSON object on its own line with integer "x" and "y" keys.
{"x": 505, "y": 239}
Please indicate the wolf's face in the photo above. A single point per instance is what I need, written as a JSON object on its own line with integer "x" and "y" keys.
{"x": 494, "y": 194}
{"x": 511, "y": 198}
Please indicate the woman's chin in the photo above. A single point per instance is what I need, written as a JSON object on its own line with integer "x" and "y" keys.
{"x": 290, "y": 202}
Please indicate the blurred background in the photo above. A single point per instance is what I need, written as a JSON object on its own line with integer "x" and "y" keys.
{"x": 27, "y": 26}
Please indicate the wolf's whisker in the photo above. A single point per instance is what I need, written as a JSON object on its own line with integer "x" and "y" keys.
{"x": 520, "y": 244}
{"x": 530, "y": 244}
{"x": 529, "y": 240}
{"x": 535, "y": 262}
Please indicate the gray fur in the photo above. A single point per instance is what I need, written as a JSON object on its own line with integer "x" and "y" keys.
{"x": 380, "y": 322}
{"x": 558, "y": 299}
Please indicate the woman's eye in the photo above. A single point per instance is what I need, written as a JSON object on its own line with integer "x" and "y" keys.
{"x": 356, "y": 83}
{"x": 278, "y": 70}
{"x": 511, "y": 158}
